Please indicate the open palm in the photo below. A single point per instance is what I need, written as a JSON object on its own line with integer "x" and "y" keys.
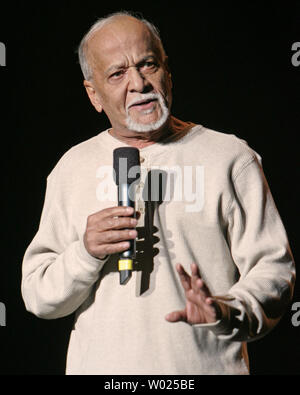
{"x": 200, "y": 307}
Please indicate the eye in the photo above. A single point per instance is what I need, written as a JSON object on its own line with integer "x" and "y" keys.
{"x": 118, "y": 75}
{"x": 148, "y": 66}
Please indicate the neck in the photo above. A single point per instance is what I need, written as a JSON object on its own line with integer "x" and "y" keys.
{"x": 173, "y": 130}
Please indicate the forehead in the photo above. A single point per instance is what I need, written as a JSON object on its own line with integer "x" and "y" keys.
{"x": 121, "y": 40}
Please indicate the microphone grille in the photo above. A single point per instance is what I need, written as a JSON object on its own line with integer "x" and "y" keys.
{"x": 126, "y": 162}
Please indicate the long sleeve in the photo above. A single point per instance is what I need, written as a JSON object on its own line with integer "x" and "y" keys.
{"x": 57, "y": 273}
{"x": 260, "y": 249}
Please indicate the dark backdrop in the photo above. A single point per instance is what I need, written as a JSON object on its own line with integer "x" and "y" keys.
{"x": 232, "y": 71}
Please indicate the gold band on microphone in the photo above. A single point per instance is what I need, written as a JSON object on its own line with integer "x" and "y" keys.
{"x": 125, "y": 264}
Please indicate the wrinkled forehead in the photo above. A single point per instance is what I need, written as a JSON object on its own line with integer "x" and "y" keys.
{"x": 121, "y": 38}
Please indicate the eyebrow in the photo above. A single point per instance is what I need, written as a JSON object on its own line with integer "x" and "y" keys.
{"x": 122, "y": 66}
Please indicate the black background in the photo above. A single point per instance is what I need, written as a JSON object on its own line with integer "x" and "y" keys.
{"x": 232, "y": 72}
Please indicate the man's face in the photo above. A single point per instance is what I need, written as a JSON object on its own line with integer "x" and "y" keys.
{"x": 131, "y": 82}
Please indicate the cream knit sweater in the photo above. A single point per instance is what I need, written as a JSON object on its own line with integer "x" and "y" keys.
{"x": 217, "y": 212}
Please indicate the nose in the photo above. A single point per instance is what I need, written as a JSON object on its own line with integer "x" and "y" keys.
{"x": 137, "y": 81}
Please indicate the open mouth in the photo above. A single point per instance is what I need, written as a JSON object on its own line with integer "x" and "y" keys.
{"x": 143, "y": 104}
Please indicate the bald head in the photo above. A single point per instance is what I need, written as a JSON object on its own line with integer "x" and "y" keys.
{"x": 126, "y": 73}
{"x": 115, "y": 27}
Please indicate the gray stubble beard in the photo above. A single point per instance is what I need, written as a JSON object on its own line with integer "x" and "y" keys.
{"x": 144, "y": 128}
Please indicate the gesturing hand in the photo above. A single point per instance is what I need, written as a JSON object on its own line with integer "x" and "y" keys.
{"x": 200, "y": 307}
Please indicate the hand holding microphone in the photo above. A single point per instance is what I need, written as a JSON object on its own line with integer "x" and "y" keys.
{"x": 126, "y": 173}
{"x": 108, "y": 231}
{"x": 112, "y": 230}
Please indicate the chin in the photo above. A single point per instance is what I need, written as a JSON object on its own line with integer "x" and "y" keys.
{"x": 139, "y": 127}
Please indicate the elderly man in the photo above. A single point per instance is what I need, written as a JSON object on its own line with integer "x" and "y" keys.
{"x": 213, "y": 268}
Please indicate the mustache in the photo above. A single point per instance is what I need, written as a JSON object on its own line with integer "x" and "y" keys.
{"x": 142, "y": 97}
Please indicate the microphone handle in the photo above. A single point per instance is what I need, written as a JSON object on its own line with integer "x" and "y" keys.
{"x": 125, "y": 264}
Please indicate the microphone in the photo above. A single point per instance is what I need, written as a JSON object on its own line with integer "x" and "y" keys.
{"x": 126, "y": 163}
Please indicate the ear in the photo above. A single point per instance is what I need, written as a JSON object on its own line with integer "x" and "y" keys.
{"x": 93, "y": 95}
{"x": 167, "y": 67}
{"x": 168, "y": 71}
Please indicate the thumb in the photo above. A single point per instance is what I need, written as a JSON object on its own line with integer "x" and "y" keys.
{"x": 176, "y": 316}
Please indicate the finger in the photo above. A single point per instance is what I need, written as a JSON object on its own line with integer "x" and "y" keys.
{"x": 198, "y": 293}
{"x": 202, "y": 288}
{"x": 108, "y": 249}
{"x": 195, "y": 277}
{"x": 197, "y": 284}
{"x": 184, "y": 277}
{"x": 195, "y": 270}
{"x": 207, "y": 306}
{"x": 116, "y": 223}
{"x": 119, "y": 211}
{"x": 115, "y": 236}
{"x": 96, "y": 220}
{"x": 176, "y": 316}
{"x": 94, "y": 241}
{"x": 111, "y": 212}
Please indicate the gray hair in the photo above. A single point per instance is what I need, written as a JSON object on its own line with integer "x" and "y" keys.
{"x": 82, "y": 49}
